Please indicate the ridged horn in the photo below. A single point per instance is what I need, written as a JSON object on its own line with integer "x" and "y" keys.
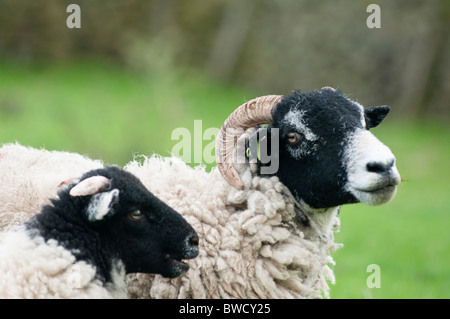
{"x": 254, "y": 112}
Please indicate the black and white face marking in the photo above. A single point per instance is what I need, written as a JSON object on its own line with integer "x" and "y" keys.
{"x": 295, "y": 119}
{"x": 102, "y": 204}
{"x": 109, "y": 214}
{"x": 149, "y": 236}
{"x": 327, "y": 155}
{"x": 372, "y": 174}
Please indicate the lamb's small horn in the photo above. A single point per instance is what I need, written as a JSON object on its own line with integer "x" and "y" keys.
{"x": 254, "y": 112}
{"x": 90, "y": 186}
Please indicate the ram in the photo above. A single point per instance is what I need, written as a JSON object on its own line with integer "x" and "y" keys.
{"x": 265, "y": 235}
{"x": 101, "y": 227}
{"x": 271, "y": 236}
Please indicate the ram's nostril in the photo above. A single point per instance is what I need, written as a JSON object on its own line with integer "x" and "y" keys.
{"x": 377, "y": 167}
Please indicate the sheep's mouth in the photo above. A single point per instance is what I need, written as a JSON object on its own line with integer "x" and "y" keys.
{"x": 378, "y": 190}
{"x": 376, "y": 195}
{"x": 176, "y": 267}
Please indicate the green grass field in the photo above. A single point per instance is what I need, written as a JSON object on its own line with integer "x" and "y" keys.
{"x": 112, "y": 114}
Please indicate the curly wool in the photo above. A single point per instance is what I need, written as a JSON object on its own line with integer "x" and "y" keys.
{"x": 251, "y": 244}
{"x": 29, "y": 177}
{"x": 32, "y": 268}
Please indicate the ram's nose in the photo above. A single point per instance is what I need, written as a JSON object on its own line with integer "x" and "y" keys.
{"x": 386, "y": 169}
{"x": 380, "y": 167}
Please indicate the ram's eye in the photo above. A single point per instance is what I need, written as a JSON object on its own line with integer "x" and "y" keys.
{"x": 135, "y": 215}
{"x": 293, "y": 138}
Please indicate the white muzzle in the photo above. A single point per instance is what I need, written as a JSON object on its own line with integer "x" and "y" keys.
{"x": 372, "y": 174}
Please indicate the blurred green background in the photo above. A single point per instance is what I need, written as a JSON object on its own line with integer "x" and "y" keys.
{"x": 138, "y": 69}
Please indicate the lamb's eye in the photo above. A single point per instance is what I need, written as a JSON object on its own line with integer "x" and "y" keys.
{"x": 135, "y": 215}
{"x": 293, "y": 138}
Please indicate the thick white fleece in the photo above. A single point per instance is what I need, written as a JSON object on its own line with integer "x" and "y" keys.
{"x": 33, "y": 268}
{"x": 29, "y": 177}
{"x": 251, "y": 245}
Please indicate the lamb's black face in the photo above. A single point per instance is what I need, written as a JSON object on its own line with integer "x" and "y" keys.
{"x": 327, "y": 156}
{"x": 146, "y": 234}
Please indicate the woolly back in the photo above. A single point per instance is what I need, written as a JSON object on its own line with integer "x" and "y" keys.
{"x": 29, "y": 177}
{"x": 25, "y": 263}
{"x": 251, "y": 243}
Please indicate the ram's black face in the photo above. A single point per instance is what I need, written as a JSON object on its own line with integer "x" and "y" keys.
{"x": 327, "y": 156}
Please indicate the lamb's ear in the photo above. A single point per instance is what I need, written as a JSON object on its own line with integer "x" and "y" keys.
{"x": 90, "y": 186}
{"x": 102, "y": 204}
{"x": 68, "y": 181}
{"x": 375, "y": 115}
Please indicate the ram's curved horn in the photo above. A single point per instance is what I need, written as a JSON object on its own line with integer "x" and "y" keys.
{"x": 254, "y": 112}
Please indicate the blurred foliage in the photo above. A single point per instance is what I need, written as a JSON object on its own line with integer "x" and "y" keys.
{"x": 263, "y": 45}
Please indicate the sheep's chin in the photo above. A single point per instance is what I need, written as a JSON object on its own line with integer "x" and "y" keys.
{"x": 374, "y": 197}
{"x": 175, "y": 268}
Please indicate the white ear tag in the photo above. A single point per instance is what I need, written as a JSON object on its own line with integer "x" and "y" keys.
{"x": 101, "y": 204}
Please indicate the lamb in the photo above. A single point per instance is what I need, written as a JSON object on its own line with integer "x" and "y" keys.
{"x": 102, "y": 226}
{"x": 270, "y": 234}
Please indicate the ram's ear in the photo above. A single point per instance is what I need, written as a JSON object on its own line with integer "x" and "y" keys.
{"x": 102, "y": 204}
{"x": 375, "y": 115}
